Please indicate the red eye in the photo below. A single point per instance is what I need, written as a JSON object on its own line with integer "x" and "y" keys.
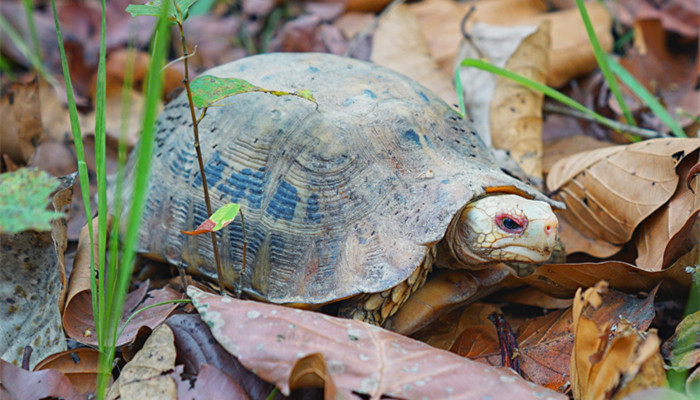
{"x": 511, "y": 224}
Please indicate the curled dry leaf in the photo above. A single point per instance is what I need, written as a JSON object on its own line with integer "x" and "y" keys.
{"x": 562, "y": 280}
{"x": 683, "y": 348}
{"x": 359, "y": 358}
{"x": 556, "y": 150}
{"x": 17, "y": 383}
{"x": 608, "y": 192}
{"x": 146, "y": 376}
{"x": 610, "y": 359}
{"x": 78, "y": 319}
{"x": 516, "y": 111}
{"x": 79, "y": 366}
{"x": 211, "y": 383}
{"x": 659, "y": 238}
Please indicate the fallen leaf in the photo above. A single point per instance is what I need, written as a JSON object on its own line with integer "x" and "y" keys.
{"x": 609, "y": 192}
{"x": 516, "y": 111}
{"x": 530, "y": 296}
{"x": 681, "y": 16}
{"x": 659, "y": 238}
{"x": 683, "y": 348}
{"x": 196, "y": 347}
{"x": 366, "y": 5}
{"x": 21, "y": 127}
{"x": 562, "y": 280}
{"x": 146, "y": 376}
{"x": 78, "y": 320}
{"x": 360, "y": 358}
{"x": 79, "y": 366}
{"x": 568, "y": 146}
{"x": 610, "y": 358}
{"x": 211, "y": 383}
{"x": 398, "y": 44}
{"x": 17, "y": 383}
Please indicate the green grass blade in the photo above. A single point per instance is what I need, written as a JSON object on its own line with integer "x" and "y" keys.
{"x": 648, "y": 99}
{"x": 80, "y": 155}
{"x": 553, "y": 93}
{"x": 29, "y": 13}
{"x": 137, "y": 312}
{"x": 601, "y": 58}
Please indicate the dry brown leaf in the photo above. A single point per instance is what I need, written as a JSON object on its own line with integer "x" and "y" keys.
{"x": 399, "y": 45}
{"x": 568, "y": 146}
{"x": 17, "y": 383}
{"x": 659, "y": 238}
{"x": 145, "y": 377}
{"x": 610, "y": 359}
{"x": 682, "y": 16}
{"x": 443, "y": 292}
{"x": 366, "y": 5}
{"x": 79, "y": 366}
{"x": 570, "y": 54}
{"x": 516, "y": 111}
{"x": 530, "y": 296}
{"x": 21, "y": 127}
{"x": 608, "y": 192}
{"x": 562, "y": 280}
{"x": 211, "y": 383}
{"x": 78, "y": 320}
{"x": 360, "y": 358}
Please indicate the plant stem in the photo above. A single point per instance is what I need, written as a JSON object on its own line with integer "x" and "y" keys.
{"x": 564, "y": 110}
{"x": 197, "y": 147}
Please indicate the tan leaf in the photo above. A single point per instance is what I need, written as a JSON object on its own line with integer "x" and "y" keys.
{"x": 609, "y": 192}
{"x": 78, "y": 365}
{"x": 659, "y": 237}
{"x": 145, "y": 377}
{"x": 516, "y": 111}
{"x": 21, "y": 127}
{"x": 360, "y": 358}
{"x": 398, "y": 44}
{"x": 610, "y": 359}
{"x": 568, "y": 146}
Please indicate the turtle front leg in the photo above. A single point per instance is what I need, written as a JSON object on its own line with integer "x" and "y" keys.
{"x": 376, "y": 308}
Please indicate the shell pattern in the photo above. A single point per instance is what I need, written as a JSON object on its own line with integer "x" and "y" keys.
{"x": 339, "y": 199}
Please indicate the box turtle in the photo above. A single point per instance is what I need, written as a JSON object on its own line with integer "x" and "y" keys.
{"x": 352, "y": 199}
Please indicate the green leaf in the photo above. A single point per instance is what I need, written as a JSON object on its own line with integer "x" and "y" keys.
{"x": 221, "y": 217}
{"x": 686, "y": 343}
{"x": 153, "y": 8}
{"x": 23, "y": 200}
{"x": 207, "y": 90}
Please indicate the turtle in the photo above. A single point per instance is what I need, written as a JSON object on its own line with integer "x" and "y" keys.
{"x": 353, "y": 199}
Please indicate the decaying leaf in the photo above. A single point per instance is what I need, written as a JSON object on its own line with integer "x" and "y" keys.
{"x": 208, "y": 90}
{"x": 145, "y": 377}
{"x": 609, "y": 192}
{"x": 360, "y": 358}
{"x": 683, "y": 349}
{"x": 23, "y": 200}
{"x": 32, "y": 273}
{"x": 79, "y": 366}
{"x": 611, "y": 358}
{"x": 78, "y": 319}
{"x": 221, "y": 217}
{"x": 17, "y": 383}
{"x": 516, "y": 111}
{"x": 568, "y": 146}
{"x": 659, "y": 238}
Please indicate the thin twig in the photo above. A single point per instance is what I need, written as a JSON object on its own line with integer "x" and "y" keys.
{"x": 195, "y": 130}
{"x": 646, "y": 133}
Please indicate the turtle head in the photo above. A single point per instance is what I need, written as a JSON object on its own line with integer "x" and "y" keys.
{"x": 502, "y": 228}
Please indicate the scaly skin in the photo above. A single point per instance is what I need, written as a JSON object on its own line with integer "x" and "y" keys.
{"x": 497, "y": 228}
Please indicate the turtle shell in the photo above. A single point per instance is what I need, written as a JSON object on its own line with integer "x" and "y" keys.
{"x": 339, "y": 199}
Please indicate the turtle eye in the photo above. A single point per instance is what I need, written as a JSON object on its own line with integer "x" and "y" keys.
{"x": 510, "y": 224}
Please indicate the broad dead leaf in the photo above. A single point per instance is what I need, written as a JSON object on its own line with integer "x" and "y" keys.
{"x": 568, "y": 146}
{"x": 358, "y": 357}
{"x": 683, "y": 348}
{"x": 562, "y": 280}
{"x": 398, "y": 44}
{"x": 610, "y": 358}
{"x": 681, "y": 16}
{"x": 659, "y": 238}
{"x": 79, "y": 366}
{"x": 609, "y": 192}
{"x": 17, "y": 383}
{"x": 211, "y": 383}
{"x": 145, "y": 377}
{"x": 516, "y": 111}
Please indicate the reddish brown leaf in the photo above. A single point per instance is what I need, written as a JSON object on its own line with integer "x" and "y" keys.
{"x": 271, "y": 340}
{"x": 204, "y": 227}
{"x": 211, "y": 383}
{"x": 79, "y": 366}
{"x": 17, "y": 383}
